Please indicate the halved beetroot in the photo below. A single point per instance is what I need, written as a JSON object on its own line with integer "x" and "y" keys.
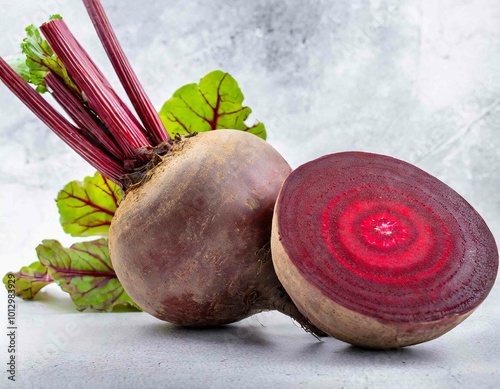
{"x": 378, "y": 253}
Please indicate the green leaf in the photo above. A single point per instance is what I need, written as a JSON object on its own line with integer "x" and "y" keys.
{"x": 85, "y": 272}
{"x": 18, "y": 63}
{"x": 40, "y": 59}
{"x": 86, "y": 208}
{"x": 215, "y": 103}
{"x": 29, "y": 280}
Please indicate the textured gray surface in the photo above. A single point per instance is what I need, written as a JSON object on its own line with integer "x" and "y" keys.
{"x": 417, "y": 80}
{"x": 60, "y": 349}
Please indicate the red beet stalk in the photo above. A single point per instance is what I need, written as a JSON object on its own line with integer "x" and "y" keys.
{"x": 111, "y": 136}
{"x": 101, "y": 97}
{"x": 127, "y": 76}
{"x": 59, "y": 125}
{"x": 82, "y": 116}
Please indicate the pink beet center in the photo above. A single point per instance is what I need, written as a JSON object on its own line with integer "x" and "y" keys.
{"x": 383, "y": 234}
{"x": 383, "y": 230}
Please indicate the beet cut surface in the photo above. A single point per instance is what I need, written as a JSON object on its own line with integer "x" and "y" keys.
{"x": 378, "y": 253}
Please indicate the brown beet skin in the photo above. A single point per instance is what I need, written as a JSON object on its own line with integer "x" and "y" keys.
{"x": 189, "y": 245}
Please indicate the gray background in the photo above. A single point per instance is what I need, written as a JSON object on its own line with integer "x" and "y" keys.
{"x": 417, "y": 80}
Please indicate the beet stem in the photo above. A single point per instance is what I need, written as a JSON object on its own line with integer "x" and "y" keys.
{"x": 281, "y": 301}
{"x": 128, "y": 78}
{"x": 59, "y": 125}
{"x": 82, "y": 116}
{"x": 101, "y": 97}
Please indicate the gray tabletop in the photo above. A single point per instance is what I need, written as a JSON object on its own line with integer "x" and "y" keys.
{"x": 415, "y": 80}
{"x": 62, "y": 348}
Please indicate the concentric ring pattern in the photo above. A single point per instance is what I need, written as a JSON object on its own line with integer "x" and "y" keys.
{"x": 381, "y": 237}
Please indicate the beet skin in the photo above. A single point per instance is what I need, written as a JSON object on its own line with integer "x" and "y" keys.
{"x": 191, "y": 245}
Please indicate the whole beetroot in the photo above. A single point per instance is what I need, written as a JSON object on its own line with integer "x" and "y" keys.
{"x": 191, "y": 244}
{"x": 190, "y": 240}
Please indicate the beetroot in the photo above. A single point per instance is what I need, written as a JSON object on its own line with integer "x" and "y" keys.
{"x": 371, "y": 249}
{"x": 189, "y": 245}
{"x": 190, "y": 241}
{"x": 378, "y": 253}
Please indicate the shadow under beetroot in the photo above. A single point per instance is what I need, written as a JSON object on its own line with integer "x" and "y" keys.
{"x": 332, "y": 352}
{"x": 424, "y": 355}
{"x": 237, "y": 334}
